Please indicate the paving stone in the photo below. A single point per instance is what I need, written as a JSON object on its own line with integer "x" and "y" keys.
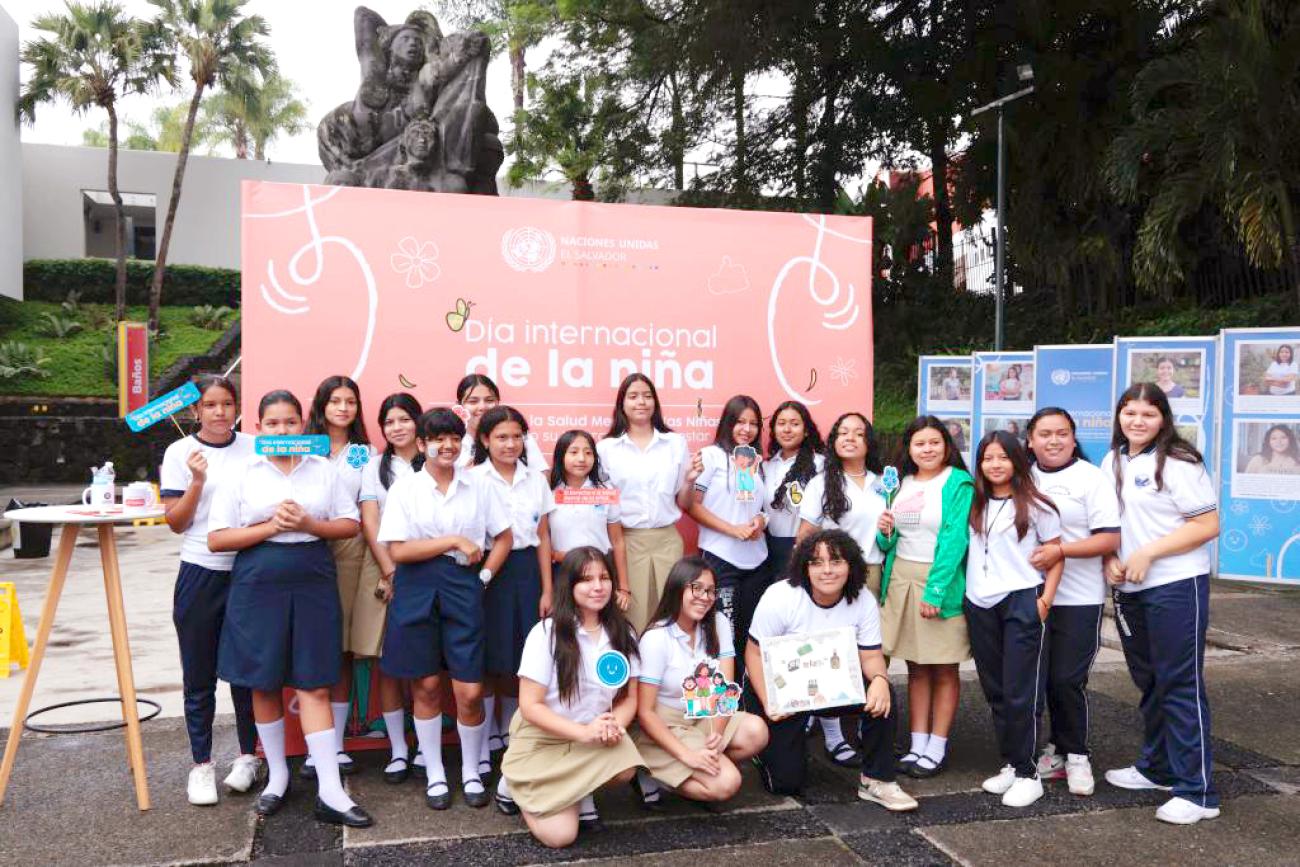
{"x": 906, "y": 848}
{"x": 1284, "y": 780}
{"x": 824, "y": 852}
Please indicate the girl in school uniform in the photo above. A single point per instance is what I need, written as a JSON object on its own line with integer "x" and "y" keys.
{"x": 476, "y": 393}
{"x": 519, "y": 593}
{"x": 1085, "y": 499}
{"x": 284, "y": 625}
{"x": 398, "y": 415}
{"x": 576, "y": 467}
{"x": 570, "y": 737}
{"x": 652, "y": 468}
{"x": 698, "y": 757}
{"x": 1168, "y": 516}
{"x": 923, "y": 585}
{"x": 336, "y": 413}
{"x": 193, "y": 468}
{"x": 436, "y": 523}
{"x": 1007, "y": 600}
{"x": 847, "y": 495}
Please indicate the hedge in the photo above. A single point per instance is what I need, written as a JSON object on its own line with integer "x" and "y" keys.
{"x": 183, "y": 285}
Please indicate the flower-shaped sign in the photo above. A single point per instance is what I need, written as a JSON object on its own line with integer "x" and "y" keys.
{"x": 358, "y": 456}
{"x": 889, "y": 481}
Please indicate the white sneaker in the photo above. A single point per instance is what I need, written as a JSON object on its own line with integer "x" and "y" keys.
{"x": 1023, "y": 792}
{"x": 1131, "y": 778}
{"x": 243, "y": 773}
{"x": 1078, "y": 775}
{"x": 888, "y": 795}
{"x": 1051, "y": 766}
{"x": 202, "y": 787}
{"x": 1002, "y": 782}
{"x": 1180, "y": 811}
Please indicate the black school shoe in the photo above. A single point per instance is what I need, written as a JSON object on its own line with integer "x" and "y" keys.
{"x": 353, "y": 818}
{"x": 920, "y": 771}
{"x": 268, "y": 804}
{"x": 904, "y": 763}
{"x": 508, "y": 807}
{"x": 440, "y": 801}
{"x": 398, "y": 776}
{"x": 475, "y": 799}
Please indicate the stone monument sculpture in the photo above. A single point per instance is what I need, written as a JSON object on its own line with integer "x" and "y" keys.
{"x": 420, "y": 119}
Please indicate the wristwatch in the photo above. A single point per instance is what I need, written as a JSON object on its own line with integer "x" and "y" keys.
{"x": 485, "y": 575}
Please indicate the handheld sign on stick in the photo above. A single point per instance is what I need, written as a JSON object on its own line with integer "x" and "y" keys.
{"x": 612, "y": 670}
{"x": 889, "y": 481}
{"x": 163, "y": 407}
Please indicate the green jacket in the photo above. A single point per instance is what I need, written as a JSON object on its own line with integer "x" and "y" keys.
{"x": 946, "y": 586}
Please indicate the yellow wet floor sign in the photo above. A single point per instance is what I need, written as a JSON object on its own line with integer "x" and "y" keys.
{"x": 13, "y": 641}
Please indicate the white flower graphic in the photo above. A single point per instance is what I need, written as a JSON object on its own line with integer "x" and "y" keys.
{"x": 1260, "y": 525}
{"x": 418, "y": 261}
{"x": 1239, "y": 508}
{"x": 842, "y": 371}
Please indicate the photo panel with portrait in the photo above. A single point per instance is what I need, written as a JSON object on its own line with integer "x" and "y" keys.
{"x": 1009, "y": 387}
{"x": 949, "y": 388}
{"x": 1266, "y": 459}
{"x": 1268, "y": 377}
{"x": 1017, "y": 426}
{"x": 1179, "y": 373}
{"x": 959, "y": 429}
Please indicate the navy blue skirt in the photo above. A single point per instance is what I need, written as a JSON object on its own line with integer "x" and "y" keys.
{"x": 283, "y": 625}
{"x": 435, "y": 621}
{"x": 510, "y": 609}
{"x": 779, "y": 549}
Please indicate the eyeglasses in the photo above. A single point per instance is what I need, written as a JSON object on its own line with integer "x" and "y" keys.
{"x": 834, "y": 562}
{"x": 702, "y": 591}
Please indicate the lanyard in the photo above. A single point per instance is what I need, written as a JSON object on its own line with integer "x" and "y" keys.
{"x": 988, "y": 529}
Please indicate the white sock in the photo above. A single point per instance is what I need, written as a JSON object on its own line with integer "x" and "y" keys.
{"x": 395, "y": 722}
{"x": 649, "y": 785}
{"x": 831, "y": 731}
{"x": 503, "y": 788}
{"x": 587, "y": 808}
{"x": 472, "y": 739}
{"x": 919, "y": 740}
{"x": 272, "y": 737}
{"x": 428, "y": 734}
{"x": 329, "y": 785}
{"x": 936, "y": 748}
{"x": 509, "y": 704}
{"x": 340, "y": 710}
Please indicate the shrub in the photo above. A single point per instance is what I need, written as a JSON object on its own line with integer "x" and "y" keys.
{"x": 183, "y": 285}
{"x": 18, "y": 360}
{"x": 208, "y": 317}
{"x": 72, "y": 303}
{"x": 55, "y": 325}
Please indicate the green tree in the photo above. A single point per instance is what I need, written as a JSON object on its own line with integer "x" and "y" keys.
{"x": 566, "y": 129}
{"x": 514, "y": 26}
{"x": 217, "y": 41}
{"x": 251, "y": 112}
{"x": 92, "y": 55}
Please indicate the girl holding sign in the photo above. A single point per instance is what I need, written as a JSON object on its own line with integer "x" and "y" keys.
{"x": 476, "y": 393}
{"x": 285, "y": 625}
{"x": 1007, "y": 601}
{"x": 923, "y": 584}
{"x": 192, "y": 469}
{"x": 1168, "y": 516}
{"x": 435, "y": 523}
{"x": 570, "y": 735}
{"x": 698, "y": 756}
{"x": 652, "y": 468}
{"x": 594, "y": 519}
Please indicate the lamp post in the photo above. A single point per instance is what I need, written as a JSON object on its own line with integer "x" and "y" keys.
{"x": 1024, "y": 72}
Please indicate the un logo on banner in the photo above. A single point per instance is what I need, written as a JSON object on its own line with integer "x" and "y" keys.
{"x": 528, "y": 249}
{"x": 1060, "y": 376}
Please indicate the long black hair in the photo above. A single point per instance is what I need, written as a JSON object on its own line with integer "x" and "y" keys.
{"x": 1074, "y": 431}
{"x": 838, "y": 544}
{"x": 684, "y": 572}
{"x": 1168, "y": 443}
{"x": 279, "y": 395}
{"x": 724, "y": 434}
{"x": 951, "y": 457}
{"x": 316, "y": 423}
{"x": 835, "y": 498}
{"x": 557, "y": 462}
{"x": 805, "y": 460}
{"x": 409, "y": 405}
{"x": 490, "y": 419}
{"x": 565, "y": 618}
{"x": 1024, "y": 493}
{"x": 619, "y": 425}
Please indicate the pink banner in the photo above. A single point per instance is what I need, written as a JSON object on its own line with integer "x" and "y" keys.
{"x": 556, "y": 301}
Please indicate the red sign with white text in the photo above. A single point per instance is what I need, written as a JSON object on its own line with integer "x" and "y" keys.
{"x": 132, "y": 366}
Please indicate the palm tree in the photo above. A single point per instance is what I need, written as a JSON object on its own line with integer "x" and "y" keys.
{"x": 93, "y": 56}
{"x": 218, "y": 40}
{"x": 251, "y": 112}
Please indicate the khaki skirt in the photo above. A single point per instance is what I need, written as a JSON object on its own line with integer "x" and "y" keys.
{"x": 692, "y": 732}
{"x": 908, "y": 635}
{"x": 349, "y": 555}
{"x": 365, "y": 636}
{"x": 547, "y": 774}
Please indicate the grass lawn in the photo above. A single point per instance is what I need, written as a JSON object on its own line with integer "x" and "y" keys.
{"x": 77, "y": 366}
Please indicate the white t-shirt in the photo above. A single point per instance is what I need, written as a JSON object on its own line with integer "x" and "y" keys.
{"x": 784, "y": 522}
{"x": 647, "y": 480}
{"x": 536, "y": 460}
{"x": 1087, "y": 503}
{"x": 866, "y": 505}
{"x": 573, "y": 526}
{"x": 416, "y": 509}
{"x": 1149, "y": 514}
{"x": 527, "y": 499}
{"x": 789, "y": 610}
{"x": 371, "y": 486}
{"x": 537, "y": 663}
{"x": 997, "y": 561}
{"x": 1277, "y": 370}
{"x": 174, "y": 480}
{"x": 667, "y": 657}
{"x": 918, "y": 514}
{"x": 258, "y": 489}
{"x": 350, "y": 463}
{"x": 736, "y": 499}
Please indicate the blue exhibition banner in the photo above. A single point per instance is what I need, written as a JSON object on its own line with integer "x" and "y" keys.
{"x": 1259, "y": 455}
{"x": 1186, "y": 369}
{"x": 160, "y": 408}
{"x": 1078, "y": 379}
{"x": 295, "y": 446}
{"x": 1002, "y": 393}
{"x": 943, "y": 389}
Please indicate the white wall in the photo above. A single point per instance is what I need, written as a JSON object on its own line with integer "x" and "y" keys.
{"x": 11, "y": 173}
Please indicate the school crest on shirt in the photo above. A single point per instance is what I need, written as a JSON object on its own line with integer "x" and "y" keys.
{"x": 1141, "y": 481}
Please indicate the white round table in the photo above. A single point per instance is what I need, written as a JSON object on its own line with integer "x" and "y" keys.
{"x": 72, "y": 518}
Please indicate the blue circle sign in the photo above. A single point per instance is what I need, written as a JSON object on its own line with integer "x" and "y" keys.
{"x": 612, "y": 669}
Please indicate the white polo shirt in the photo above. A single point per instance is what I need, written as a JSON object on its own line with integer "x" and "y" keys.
{"x": 784, "y": 522}
{"x": 536, "y": 460}
{"x": 527, "y": 499}
{"x": 997, "y": 562}
{"x": 372, "y": 489}
{"x": 1149, "y": 514}
{"x": 720, "y": 486}
{"x": 789, "y": 610}
{"x": 866, "y": 505}
{"x": 174, "y": 480}
{"x": 1087, "y": 502}
{"x": 350, "y": 463}
{"x": 573, "y": 526}
{"x": 416, "y": 509}
{"x": 593, "y": 698}
{"x": 647, "y": 480}
{"x": 669, "y": 656}
{"x": 258, "y": 489}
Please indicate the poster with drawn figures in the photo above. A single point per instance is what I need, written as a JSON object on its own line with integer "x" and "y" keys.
{"x": 813, "y": 671}
{"x": 944, "y": 385}
{"x": 1079, "y": 379}
{"x": 707, "y": 693}
{"x": 1002, "y": 393}
{"x": 1187, "y": 371}
{"x": 1259, "y": 459}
